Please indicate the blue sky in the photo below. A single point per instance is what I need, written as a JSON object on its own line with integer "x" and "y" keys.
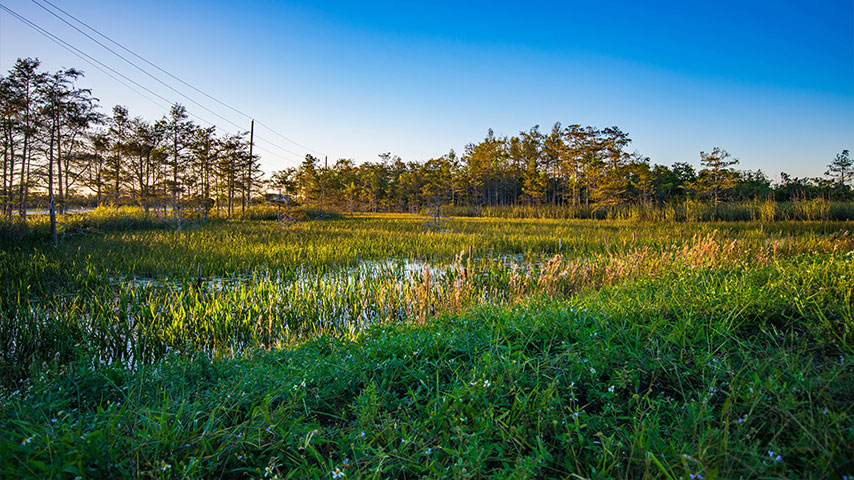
{"x": 771, "y": 82}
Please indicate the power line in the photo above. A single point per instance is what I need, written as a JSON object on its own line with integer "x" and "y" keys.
{"x": 83, "y": 56}
{"x": 239, "y": 127}
{"x": 107, "y": 69}
{"x": 164, "y": 72}
{"x": 133, "y": 64}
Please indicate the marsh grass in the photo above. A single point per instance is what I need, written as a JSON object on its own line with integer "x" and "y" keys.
{"x": 510, "y": 348}
{"x": 137, "y": 296}
{"x": 689, "y": 210}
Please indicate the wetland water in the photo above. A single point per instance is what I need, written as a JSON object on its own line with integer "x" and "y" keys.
{"x": 270, "y": 308}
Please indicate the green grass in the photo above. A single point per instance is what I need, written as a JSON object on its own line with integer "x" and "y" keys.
{"x": 699, "y": 386}
{"x": 271, "y": 286}
{"x": 638, "y": 352}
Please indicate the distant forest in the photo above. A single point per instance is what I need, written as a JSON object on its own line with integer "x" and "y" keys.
{"x": 58, "y": 148}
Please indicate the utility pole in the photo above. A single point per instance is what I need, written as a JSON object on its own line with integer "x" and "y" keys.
{"x": 322, "y": 189}
{"x": 248, "y": 177}
{"x": 251, "y": 136}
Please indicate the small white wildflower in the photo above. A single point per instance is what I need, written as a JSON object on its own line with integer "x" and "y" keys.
{"x": 592, "y": 370}
{"x": 268, "y": 471}
{"x": 362, "y": 434}
{"x": 428, "y": 451}
{"x": 337, "y": 473}
{"x": 26, "y": 441}
{"x": 611, "y": 389}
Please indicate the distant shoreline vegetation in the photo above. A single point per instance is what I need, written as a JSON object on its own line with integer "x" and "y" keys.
{"x": 59, "y": 153}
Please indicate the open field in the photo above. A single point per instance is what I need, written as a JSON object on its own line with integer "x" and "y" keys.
{"x": 377, "y": 346}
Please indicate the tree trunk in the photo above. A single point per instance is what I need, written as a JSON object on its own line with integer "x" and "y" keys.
{"x": 176, "y": 208}
{"x": 51, "y": 205}
{"x": 8, "y": 192}
{"x": 59, "y": 168}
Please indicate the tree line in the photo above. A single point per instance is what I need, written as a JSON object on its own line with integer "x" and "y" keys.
{"x": 574, "y": 166}
{"x": 57, "y": 144}
{"x": 55, "y": 140}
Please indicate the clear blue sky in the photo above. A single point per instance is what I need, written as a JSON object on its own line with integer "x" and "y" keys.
{"x": 771, "y": 82}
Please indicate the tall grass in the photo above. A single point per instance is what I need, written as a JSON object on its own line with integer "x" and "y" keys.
{"x": 138, "y": 296}
{"x": 689, "y": 210}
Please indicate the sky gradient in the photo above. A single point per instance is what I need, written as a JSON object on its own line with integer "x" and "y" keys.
{"x": 771, "y": 83}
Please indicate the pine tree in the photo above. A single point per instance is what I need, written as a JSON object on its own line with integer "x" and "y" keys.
{"x": 841, "y": 167}
{"x": 717, "y": 179}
